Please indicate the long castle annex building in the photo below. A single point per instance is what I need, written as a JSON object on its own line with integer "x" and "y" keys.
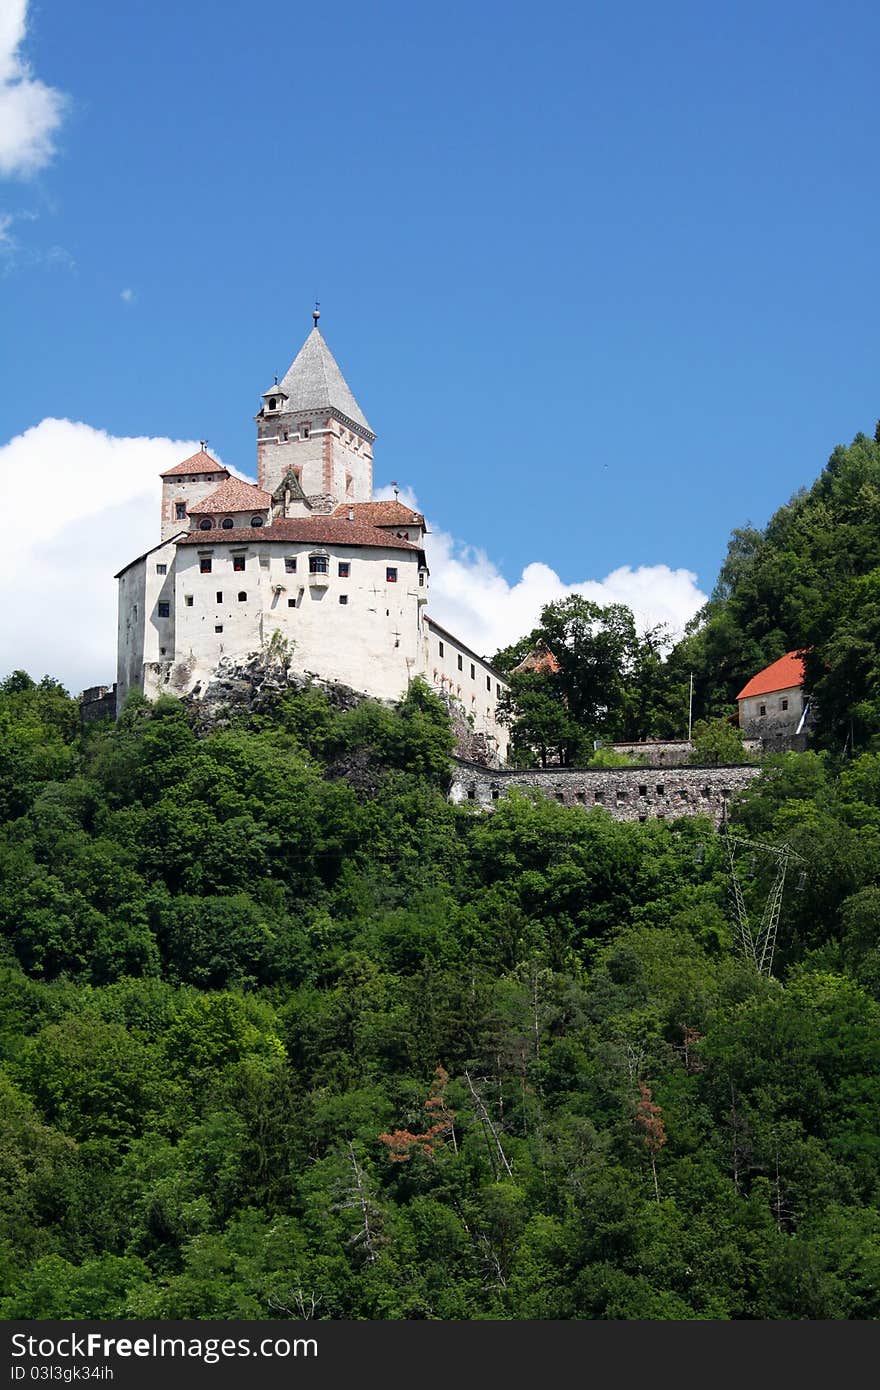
{"x": 305, "y": 554}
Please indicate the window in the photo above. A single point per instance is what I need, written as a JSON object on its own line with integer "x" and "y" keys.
{"x": 441, "y": 648}
{"x": 188, "y": 600}
{"x": 599, "y": 797}
{"x": 390, "y": 574}
{"x": 495, "y": 793}
{"x": 256, "y": 521}
{"x": 661, "y": 789}
{"x": 460, "y": 662}
{"x": 344, "y": 569}
{"x": 218, "y": 627}
{"x": 643, "y": 791}
{"x": 290, "y": 564}
{"x": 762, "y": 709}
{"x": 242, "y": 597}
{"x": 162, "y": 651}
{"x": 473, "y": 672}
{"x": 219, "y": 595}
{"x": 161, "y": 569}
{"x": 783, "y": 704}
{"x": 291, "y": 603}
{"x": 227, "y": 523}
{"x": 272, "y": 402}
{"x": 205, "y": 524}
{"x": 179, "y": 511}
{"x": 489, "y": 683}
{"x": 164, "y": 609}
{"x": 238, "y": 563}
{"x": 498, "y": 688}
{"x": 319, "y": 564}
{"x": 305, "y": 430}
{"x": 421, "y": 579}
{"x": 205, "y": 564}
{"x": 343, "y": 598}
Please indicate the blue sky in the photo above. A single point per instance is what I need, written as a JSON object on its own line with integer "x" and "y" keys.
{"x": 602, "y": 276}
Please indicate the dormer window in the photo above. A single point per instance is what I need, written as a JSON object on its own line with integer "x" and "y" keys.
{"x": 205, "y": 524}
{"x": 256, "y": 521}
{"x": 273, "y": 401}
{"x": 227, "y": 523}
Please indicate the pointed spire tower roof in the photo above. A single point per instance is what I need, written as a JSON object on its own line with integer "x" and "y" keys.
{"x": 314, "y": 381}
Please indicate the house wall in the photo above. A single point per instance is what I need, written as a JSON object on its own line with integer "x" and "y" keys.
{"x": 334, "y": 463}
{"x": 184, "y": 489}
{"x": 473, "y": 683}
{"x": 371, "y": 643}
{"x": 775, "y": 722}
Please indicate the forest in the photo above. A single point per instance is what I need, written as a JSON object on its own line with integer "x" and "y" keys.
{"x": 286, "y": 1034}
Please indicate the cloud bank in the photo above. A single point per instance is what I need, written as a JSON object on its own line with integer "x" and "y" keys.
{"x": 30, "y": 111}
{"x": 83, "y": 503}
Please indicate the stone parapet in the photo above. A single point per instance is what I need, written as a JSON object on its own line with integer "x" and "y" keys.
{"x": 628, "y": 794}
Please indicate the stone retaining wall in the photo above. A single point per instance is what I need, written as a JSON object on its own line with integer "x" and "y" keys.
{"x": 631, "y": 794}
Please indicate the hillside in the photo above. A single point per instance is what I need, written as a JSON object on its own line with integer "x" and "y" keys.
{"x": 284, "y": 1032}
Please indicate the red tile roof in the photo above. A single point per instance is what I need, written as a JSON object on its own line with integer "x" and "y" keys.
{"x": 233, "y": 495}
{"x": 381, "y": 513}
{"x": 784, "y": 674}
{"x": 318, "y": 530}
{"x": 198, "y": 463}
{"x": 540, "y": 659}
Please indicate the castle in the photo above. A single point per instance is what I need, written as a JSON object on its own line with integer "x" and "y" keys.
{"x": 303, "y": 561}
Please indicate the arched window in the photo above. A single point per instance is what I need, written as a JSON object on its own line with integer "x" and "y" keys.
{"x": 205, "y": 524}
{"x": 227, "y": 523}
{"x": 272, "y": 402}
{"x": 242, "y": 598}
{"x": 256, "y": 521}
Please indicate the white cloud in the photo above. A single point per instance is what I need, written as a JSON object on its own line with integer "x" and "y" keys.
{"x": 471, "y": 597}
{"x": 79, "y": 504}
{"x": 30, "y": 111}
{"x": 127, "y": 296}
{"x": 82, "y": 503}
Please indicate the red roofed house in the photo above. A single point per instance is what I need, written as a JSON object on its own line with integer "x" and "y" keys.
{"x": 772, "y": 704}
{"x": 305, "y": 553}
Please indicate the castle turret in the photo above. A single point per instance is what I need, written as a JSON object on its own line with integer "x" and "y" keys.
{"x": 187, "y": 482}
{"x": 311, "y": 428}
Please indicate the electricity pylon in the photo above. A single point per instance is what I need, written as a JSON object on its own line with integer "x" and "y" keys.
{"x": 758, "y": 946}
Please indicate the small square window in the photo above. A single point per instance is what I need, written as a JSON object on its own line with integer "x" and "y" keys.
{"x": 205, "y": 564}
{"x": 460, "y": 662}
{"x": 188, "y": 600}
{"x": 238, "y": 563}
{"x": 218, "y": 627}
{"x": 661, "y": 789}
{"x": 343, "y": 598}
{"x": 344, "y": 569}
{"x": 162, "y": 651}
{"x": 783, "y": 704}
{"x": 390, "y": 574}
{"x": 164, "y": 609}
{"x": 242, "y": 598}
{"x": 643, "y": 790}
{"x": 473, "y": 672}
{"x": 291, "y": 603}
{"x": 161, "y": 569}
{"x": 290, "y": 564}
{"x": 219, "y": 596}
{"x": 179, "y": 511}
{"x": 762, "y": 709}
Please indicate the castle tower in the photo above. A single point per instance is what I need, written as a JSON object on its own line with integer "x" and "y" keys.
{"x": 314, "y": 445}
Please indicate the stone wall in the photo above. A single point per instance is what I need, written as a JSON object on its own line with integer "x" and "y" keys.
{"x": 98, "y": 702}
{"x": 630, "y": 794}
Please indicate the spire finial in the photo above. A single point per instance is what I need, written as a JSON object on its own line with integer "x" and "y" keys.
{"x": 396, "y": 489}
{"x": 203, "y": 444}
{"x": 316, "y": 312}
